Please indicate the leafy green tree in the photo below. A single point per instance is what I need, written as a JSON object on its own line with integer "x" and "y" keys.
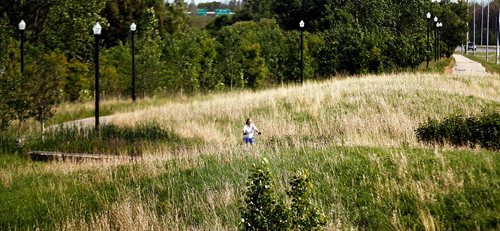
{"x": 176, "y": 20}
{"x": 116, "y": 71}
{"x": 78, "y": 82}
{"x": 259, "y": 9}
{"x": 212, "y": 6}
{"x": 45, "y": 83}
{"x": 62, "y": 25}
{"x": 454, "y": 17}
{"x": 229, "y": 63}
{"x": 121, "y": 13}
{"x": 241, "y": 54}
{"x": 10, "y": 78}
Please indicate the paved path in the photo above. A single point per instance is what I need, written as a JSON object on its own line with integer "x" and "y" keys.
{"x": 465, "y": 67}
{"x": 82, "y": 123}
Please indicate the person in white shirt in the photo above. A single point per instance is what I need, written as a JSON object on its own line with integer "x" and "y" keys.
{"x": 249, "y": 130}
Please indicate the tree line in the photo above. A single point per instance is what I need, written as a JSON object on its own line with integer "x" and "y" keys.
{"x": 257, "y": 47}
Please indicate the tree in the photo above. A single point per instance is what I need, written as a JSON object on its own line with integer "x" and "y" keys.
{"x": 241, "y": 55}
{"x": 62, "y": 25}
{"x": 176, "y": 20}
{"x": 454, "y": 17}
{"x": 259, "y": 9}
{"x": 10, "y": 79}
{"x": 45, "y": 82}
{"x": 121, "y": 13}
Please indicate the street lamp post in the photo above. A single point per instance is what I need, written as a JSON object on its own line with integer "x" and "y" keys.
{"x": 22, "y": 27}
{"x": 435, "y": 39}
{"x": 428, "y": 32}
{"x": 97, "y": 31}
{"x": 302, "y": 24}
{"x": 133, "y": 28}
{"x": 439, "y": 26}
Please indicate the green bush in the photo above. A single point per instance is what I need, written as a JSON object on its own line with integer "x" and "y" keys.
{"x": 110, "y": 139}
{"x": 264, "y": 210}
{"x": 459, "y": 130}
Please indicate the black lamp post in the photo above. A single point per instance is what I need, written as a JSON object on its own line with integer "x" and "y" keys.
{"x": 435, "y": 39}
{"x": 428, "y": 32}
{"x": 439, "y": 25}
{"x": 97, "y": 31}
{"x": 133, "y": 28}
{"x": 22, "y": 27}
{"x": 302, "y": 24}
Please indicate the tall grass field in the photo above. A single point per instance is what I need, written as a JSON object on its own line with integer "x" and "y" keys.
{"x": 355, "y": 136}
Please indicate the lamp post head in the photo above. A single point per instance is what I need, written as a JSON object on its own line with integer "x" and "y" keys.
{"x": 133, "y": 27}
{"x": 435, "y": 19}
{"x": 429, "y": 15}
{"x": 97, "y": 29}
{"x": 22, "y": 25}
{"x": 301, "y": 24}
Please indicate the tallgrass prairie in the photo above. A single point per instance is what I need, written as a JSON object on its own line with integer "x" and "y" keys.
{"x": 355, "y": 136}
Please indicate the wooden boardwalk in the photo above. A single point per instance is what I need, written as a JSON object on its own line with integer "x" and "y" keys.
{"x": 77, "y": 157}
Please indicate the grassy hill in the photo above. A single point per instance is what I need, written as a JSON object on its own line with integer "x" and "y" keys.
{"x": 355, "y": 136}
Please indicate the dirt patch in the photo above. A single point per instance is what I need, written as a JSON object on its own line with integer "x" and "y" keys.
{"x": 449, "y": 69}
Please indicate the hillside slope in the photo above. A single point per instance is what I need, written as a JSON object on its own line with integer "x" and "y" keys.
{"x": 369, "y": 110}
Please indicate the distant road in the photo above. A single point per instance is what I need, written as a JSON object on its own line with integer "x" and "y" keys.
{"x": 480, "y": 49}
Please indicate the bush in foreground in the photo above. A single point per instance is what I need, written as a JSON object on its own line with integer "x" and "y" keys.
{"x": 264, "y": 210}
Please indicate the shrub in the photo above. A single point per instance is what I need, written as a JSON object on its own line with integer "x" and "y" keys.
{"x": 264, "y": 210}
{"x": 110, "y": 139}
{"x": 459, "y": 130}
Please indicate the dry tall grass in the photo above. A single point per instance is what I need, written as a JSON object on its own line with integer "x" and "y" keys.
{"x": 370, "y": 110}
{"x": 364, "y": 111}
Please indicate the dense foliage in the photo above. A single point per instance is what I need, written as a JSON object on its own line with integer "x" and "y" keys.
{"x": 265, "y": 210}
{"x": 257, "y": 47}
{"x": 459, "y": 130}
{"x": 110, "y": 140}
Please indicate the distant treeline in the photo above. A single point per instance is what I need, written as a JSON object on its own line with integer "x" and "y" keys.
{"x": 258, "y": 46}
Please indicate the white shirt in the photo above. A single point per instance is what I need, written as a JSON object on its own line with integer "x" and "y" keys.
{"x": 249, "y": 130}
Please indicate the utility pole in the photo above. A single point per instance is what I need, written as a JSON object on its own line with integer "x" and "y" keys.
{"x": 498, "y": 24}
{"x": 482, "y": 19}
{"x": 487, "y": 31}
{"x": 474, "y": 35}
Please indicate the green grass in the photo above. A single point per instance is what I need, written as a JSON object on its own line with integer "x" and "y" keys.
{"x": 193, "y": 173}
{"x": 110, "y": 139}
{"x": 435, "y": 66}
{"x": 361, "y": 187}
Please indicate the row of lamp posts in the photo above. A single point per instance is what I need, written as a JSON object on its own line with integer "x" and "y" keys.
{"x": 97, "y": 32}
{"x": 437, "y": 37}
